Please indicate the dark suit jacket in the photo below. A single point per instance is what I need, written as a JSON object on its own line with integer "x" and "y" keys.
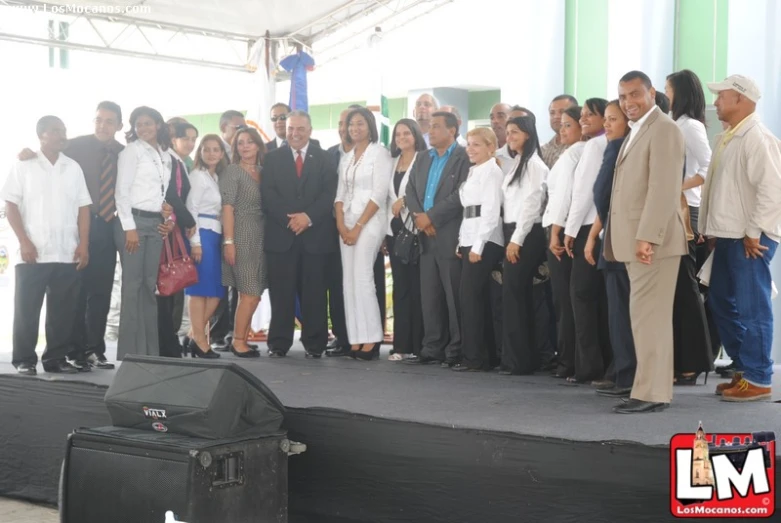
{"x": 184, "y": 219}
{"x": 270, "y": 146}
{"x": 447, "y": 212}
{"x": 603, "y": 188}
{"x": 283, "y": 193}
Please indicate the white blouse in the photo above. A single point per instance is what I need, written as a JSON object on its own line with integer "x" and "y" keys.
{"x": 143, "y": 174}
{"x": 583, "y": 210}
{"x": 482, "y": 187}
{"x": 364, "y": 181}
{"x": 559, "y": 186}
{"x": 393, "y": 196}
{"x": 522, "y": 200}
{"x": 205, "y": 203}
{"x": 698, "y": 155}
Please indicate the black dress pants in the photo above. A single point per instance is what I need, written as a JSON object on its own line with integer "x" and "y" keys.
{"x": 336, "y": 297}
{"x": 691, "y": 332}
{"x": 59, "y": 283}
{"x": 589, "y": 306}
{"x": 475, "y": 299}
{"x": 170, "y": 346}
{"x": 221, "y": 331}
{"x": 297, "y": 273}
{"x": 620, "y": 324}
{"x": 407, "y": 305}
{"x": 520, "y": 354}
{"x": 94, "y": 300}
{"x": 560, "y": 274}
{"x": 379, "y": 286}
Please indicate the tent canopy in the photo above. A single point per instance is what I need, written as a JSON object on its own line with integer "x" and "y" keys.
{"x": 169, "y": 29}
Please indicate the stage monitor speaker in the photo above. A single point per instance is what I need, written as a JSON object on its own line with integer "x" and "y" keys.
{"x": 132, "y": 476}
{"x": 200, "y": 399}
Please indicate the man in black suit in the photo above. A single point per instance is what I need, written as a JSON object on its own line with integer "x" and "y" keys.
{"x": 298, "y": 188}
{"x": 432, "y": 198}
{"x": 279, "y": 112}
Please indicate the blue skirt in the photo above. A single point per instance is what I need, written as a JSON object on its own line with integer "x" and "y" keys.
{"x": 210, "y": 269}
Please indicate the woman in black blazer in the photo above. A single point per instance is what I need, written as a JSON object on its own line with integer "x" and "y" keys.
{"x": 176, "y": 196}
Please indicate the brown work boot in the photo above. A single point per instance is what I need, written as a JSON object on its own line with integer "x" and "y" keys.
{"x": 745, "y": 391}
{"x": 724, "y": 386}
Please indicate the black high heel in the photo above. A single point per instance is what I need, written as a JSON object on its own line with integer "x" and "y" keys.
{"x": 249, "y": 354}
{"x": 680, "y": 379}
{"x": 373, "y": 354}
{"x": 198, "y": 353}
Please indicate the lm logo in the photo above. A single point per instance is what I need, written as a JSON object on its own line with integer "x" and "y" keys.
{"x": 722, "y": 475}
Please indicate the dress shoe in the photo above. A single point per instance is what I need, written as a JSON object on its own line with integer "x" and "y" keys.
{"x": 603, "y": 384}
{"x": 60, "y": 367}
{"x": 634, "y": 406}
{"x": 337, "y": 352}
{"x": 421, "y": 360}
{"x": 82, "y": 365}
{"x": 615, "y": 392}
{"x": 275, "y": 353}
{"x": 334, "y": 344}
{"x": 313, "y": 355}
{"x": 26, "y": 369}
{"x": 460, "y": 367}
{"x": 221, "y": 346}
{"x": 721, "y": 387}
{"x": 745, "y": 391}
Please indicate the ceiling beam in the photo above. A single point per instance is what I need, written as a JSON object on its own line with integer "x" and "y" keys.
{"x": 119, "y": 52}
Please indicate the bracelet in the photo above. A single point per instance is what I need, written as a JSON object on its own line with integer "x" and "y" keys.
{"x": 359, "y": 224}
{"x": 227, "y": 241}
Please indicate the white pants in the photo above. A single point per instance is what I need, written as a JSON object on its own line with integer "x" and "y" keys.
{"x": 361, "y": 309}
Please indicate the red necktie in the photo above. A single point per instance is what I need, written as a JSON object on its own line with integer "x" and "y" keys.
{"x": 299, "y": 163}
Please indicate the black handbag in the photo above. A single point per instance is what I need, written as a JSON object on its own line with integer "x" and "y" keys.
{"x": 406, "y": 245}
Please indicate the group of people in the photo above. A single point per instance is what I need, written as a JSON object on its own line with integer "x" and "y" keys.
{"x": 624, "y": 206}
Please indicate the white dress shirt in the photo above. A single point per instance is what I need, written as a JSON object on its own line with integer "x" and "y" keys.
{"x": 204, "y": 203}
{"x": 393, "y": 196}
{"x": 482, "y": 187}
{"x": 635, "y": 128}
{"x": 582, "y": 210}
{"x": 559, "y": 186}
{"x": 303, "y": 150}
{"x": 49, "y": 198}
{"x": 143, "y": 175}
{"x": 365, "y": 181}
{"x": 698, "y": 155}
{"x": 506, "y": 162}
{"x": 522, "y": 199}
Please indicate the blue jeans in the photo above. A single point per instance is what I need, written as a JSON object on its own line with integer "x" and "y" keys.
{"x": 740, "y": 304}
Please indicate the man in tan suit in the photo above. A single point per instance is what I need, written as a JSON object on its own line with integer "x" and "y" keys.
{"x": 646, "y": 231}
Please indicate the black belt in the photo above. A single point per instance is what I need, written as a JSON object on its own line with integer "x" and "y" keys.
{"x": 473, "y": 211}
{"x": 146, "y": 214}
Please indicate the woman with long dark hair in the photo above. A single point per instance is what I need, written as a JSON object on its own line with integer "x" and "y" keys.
{"x": 407, "y": 308}
{"x": 143, "y": 176}
{"x": 589, "y": 302}
{"x": 694, "y": 353}
{"x": 361, "y": 219}
{"x": 523, "y": 192}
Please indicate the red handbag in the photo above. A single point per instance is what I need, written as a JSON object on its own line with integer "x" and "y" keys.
{"x": 177, "y": 270}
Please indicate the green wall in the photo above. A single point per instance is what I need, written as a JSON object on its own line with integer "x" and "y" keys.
{"x": 327, "y": 116}
{"x": 585, "y": 48}
{"x": 701, "y": 39}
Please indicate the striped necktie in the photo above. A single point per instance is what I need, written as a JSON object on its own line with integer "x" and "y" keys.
{"x": 107, "y": 205}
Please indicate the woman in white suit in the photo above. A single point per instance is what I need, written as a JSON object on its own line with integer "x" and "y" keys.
{"x": 407, "y": 309}
{"x": 362, "y": 220}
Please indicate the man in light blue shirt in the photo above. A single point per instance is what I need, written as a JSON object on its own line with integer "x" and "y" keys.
{"x": 432, "y": 198}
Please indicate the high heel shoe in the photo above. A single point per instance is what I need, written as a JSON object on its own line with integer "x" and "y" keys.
{"x": 249, "y": 354}
{"x": 690, "y": 380}
{"x": 369, "y": 355}
{"x": 198, "y": 353}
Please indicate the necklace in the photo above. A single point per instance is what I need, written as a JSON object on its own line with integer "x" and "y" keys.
{"x": 350, "y": 174}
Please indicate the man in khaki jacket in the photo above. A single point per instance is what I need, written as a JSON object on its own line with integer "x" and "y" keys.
{"x": 741, "y": 217}
{"x": 646, "y": 231}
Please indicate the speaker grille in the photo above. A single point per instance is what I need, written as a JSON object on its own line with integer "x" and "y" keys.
{"x": 124, "y": 488}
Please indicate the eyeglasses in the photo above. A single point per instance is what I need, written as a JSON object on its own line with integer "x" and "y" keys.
{"x": 281, "y": 117}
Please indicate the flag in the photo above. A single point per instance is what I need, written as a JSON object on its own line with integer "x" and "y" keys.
{"x": 298, "y": 65}
{"x": 263, "y": 88}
